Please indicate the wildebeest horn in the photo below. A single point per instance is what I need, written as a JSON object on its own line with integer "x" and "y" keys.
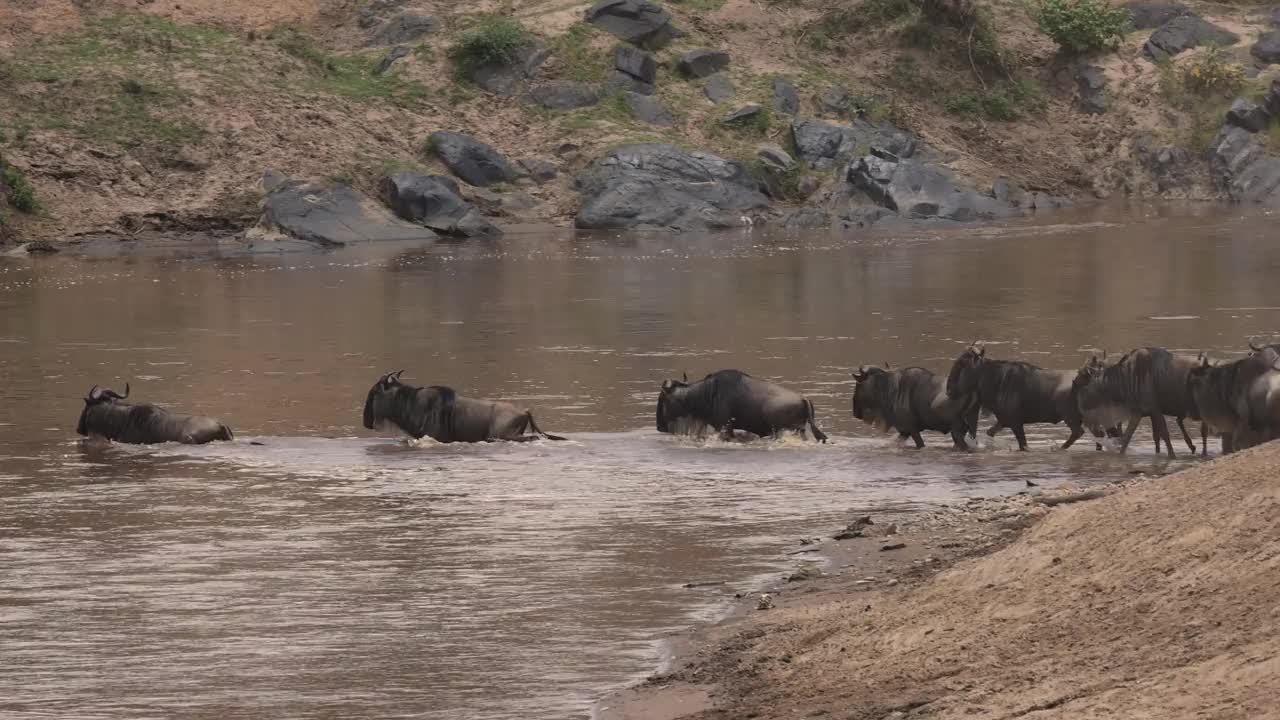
{"x": 1203, "y": 360}
{"x": 886, "y": 365}
{"x": 115, "y": 395}
{"x": 1253, "y": 347}
{"x": 684, "y": 377}
{"x": 94, "y": 393}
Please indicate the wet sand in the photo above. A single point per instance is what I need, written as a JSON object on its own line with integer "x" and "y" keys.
{"x": 1151, "y": 601}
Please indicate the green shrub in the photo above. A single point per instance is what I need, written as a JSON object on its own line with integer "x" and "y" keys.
{"x": 1008, "y": 101}
{"x": 494, "y": 39}
{"x": 1084, "y": 26}
{"x": 1212, "y": 74}
{"x": 15, "y": 185}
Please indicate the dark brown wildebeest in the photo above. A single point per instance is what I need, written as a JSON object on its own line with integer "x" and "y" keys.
{"x": 729, "y": 400}
{"x": 910, "y": 401}
{"x": 106, "y": 415}
{"x": 439, "y": 413}
{"x": 1018, "y": 394}
{"x": 1147, "y": 382}
{"x": 1241, "y": 399}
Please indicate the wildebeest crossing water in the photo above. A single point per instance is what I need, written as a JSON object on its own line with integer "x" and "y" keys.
{"x": 336, "y": 571}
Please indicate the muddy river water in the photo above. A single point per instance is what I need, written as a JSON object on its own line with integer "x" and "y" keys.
{"x": 333, "y": 572}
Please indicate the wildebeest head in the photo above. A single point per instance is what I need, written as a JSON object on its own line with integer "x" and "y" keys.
{"x": 873, "y": 395}
{"x": 670, "y": 405}
{"x": 376, "y": 404}
{"x": 963, "y": 378}
{"x": 1087, "y": 387}
{"x": 97, "y": 396}
{"x": 1197, "y": 377}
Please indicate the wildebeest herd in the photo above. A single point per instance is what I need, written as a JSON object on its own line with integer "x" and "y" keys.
{"x": 1239, "y": 401}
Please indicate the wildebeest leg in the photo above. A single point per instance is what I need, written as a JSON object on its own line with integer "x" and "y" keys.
{"x": 1162, "y": 433}
{"x": 918, "y": 440}
{"x": 1228, "y": 443}
{"x": 1134, "y": 420}
{"x": 726, "y": 433}
{"x": 1019, "y": 433}
{"x": 957, "y": 437}
{"x": 995, "y": 429}
{"x": 1186, "y": 436}
{"x": 538, "y": 431}
{"x": 1204, "y": 439}
{"x": 1076, "y": 432}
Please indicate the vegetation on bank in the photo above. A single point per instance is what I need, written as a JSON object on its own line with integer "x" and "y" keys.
{"x": 16, "y": 194}
{"x": 1084, "y": 26}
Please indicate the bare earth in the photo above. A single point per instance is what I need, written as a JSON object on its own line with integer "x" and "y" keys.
{"x": 1157, "y": 601}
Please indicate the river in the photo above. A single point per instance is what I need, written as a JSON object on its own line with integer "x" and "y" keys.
{"x": 337, "y": 572}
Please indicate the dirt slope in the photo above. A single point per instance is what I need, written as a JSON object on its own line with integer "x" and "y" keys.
{"x": 1156, "y": 602}
{"x": 127, "y": 113}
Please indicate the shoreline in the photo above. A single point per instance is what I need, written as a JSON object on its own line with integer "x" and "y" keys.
{"x": 865, "y": 562}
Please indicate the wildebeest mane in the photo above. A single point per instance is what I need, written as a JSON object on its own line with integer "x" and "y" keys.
{"x": 711, "y": 399}
{"x": 422, "y": 411}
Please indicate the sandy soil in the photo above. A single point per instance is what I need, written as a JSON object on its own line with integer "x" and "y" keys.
{"x": 1156, "y": 601}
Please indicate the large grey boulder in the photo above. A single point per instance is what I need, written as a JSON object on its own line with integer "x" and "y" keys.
{"x": 1241, "y": 167}
{"x": 475, "y": 162}
{"x": 326, "y": 216}
{"x": 1183, "y": 33}
{"x": 509, "y": 79}
{"x": 917, "y": 189}
{"x": 1091, "y": 83}
{"x": 565, "y": 95}
{"x": 403, "y": 28}
{"x": 806, "y": 219}
{"x": 1267, "y": 49}
{"x": 434, "y": 201}
{"x": 639, "y": 22}
{"x": 662, "y": 186}
{"x": 1248, "y": 115}
{"x": 648, "y": 110}
{"x": 1151, "y": 14}
{"x": 786, "y": 99}
{"x": 703, "y": 63}
{"x": 824, "y": 145}
{"x": 634, "y": 70}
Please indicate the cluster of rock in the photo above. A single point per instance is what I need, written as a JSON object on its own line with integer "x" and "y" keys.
{"x": 1239, "y": 164}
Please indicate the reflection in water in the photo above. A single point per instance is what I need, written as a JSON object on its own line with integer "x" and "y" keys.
{"x": 332, "y": 573}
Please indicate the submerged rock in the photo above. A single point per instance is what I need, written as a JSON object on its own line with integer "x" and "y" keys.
{"x": 434, "y": 201}
{"x": 475, "y": 162}
{"x": 327, "y": 216}
{"x": 916, "y": 189}
{"x": 807, "y": 219}
{"x": 1183, "y": 33}
{"x": 639, "y": 22}
{"x": 661, "y": 186}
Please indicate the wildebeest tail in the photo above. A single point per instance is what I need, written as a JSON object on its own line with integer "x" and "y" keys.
{"x": 538, "y": 431}
{"x": 226, "y": 433}
{"x": 813, "y": 426}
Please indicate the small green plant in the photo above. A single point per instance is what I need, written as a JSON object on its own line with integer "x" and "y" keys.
{"x": 494, "y": 39}
{"x": 15, "y": 185}
{"x": 1211, "y": 73}
{"x": 836, "y": 23}
{"x": 581, "y": 61}
{"x": 1084, "y": 26}
{"x": 1008, "y": 101}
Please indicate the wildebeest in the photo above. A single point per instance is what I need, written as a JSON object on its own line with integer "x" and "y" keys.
{"x": 729, "y": 400}
{"x": 1240, "y": 399}
{"x": 441, "y": 414}
{"x": 1017, "y": 393}
{"x": 910, "y": 401}
{"x": 1146, "y": 382}
{"x": 106, "y": 415}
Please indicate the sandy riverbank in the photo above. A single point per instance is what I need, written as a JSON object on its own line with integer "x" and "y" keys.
{"x": 1154, "y": 601}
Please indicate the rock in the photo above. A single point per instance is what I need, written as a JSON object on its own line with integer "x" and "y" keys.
{"x": 1183, "y": 33}
{"x": 273, "y": 179}
{"x": 648, "y": 110}
{"x": 916, "y": 189}
{"x": 1172, "y": 167}
{"x": 1272, "y": 100}
{"x": 565, "y": 95}
{"x": 511, "y": 79}
{"x": 1151, "y": 14}
{"x": 514, "y": 204}
{"x": 434, "y": 201}
{"x": 786, "y": 100}
{"x": 808, "y": 571}
{"x": 892, "y": 546}
{"x": 1044, "y": 201}
{"x": 1239, "y": 165}
{"x": 1092, "y": 86}
{"x": 1267, "y": 49}
{"x": 807, "y": 219}
{"x": 330, "y": 217}
{"x": 765, "y": 602}
{"x": 638, "y": 64}
{"x": 702, "y": 63}
{"x": 835, "y": 101}
{"x": 774, "y": 157}
{"x": 744, "y": 115}
{"x": 661, "y": 186}
{"x": 376, "y": 10}
{"x": 540, "y": 170}
{"x": 718, "y": 88}
{"x": 808, "y": 185}
{"x": 1005, "y": 190}
{"x": 1247, "y": 115}
{"x": 639, "y": 22}
{"x": 475, "y": 162}
{"x": 40, "y": 247}
{"x": 403, "y": 28}
{"x": 817, "y": 141}
{"x": 393, "y": 55}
